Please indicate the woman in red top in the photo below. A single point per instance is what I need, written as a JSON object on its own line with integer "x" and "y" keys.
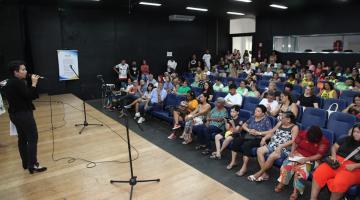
{"x": 309, "y": 147}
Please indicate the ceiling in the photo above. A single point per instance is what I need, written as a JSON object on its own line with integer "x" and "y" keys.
{"x": 215, "y": 7}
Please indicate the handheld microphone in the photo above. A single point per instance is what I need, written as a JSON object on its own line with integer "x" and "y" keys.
{"x": 40, "y": 77}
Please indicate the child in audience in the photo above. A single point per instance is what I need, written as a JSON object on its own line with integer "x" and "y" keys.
{"x": 233, "y": 128}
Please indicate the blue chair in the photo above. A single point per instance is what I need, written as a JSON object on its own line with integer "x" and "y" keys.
{"x": 330, "y": 136}
{"x": 314, "y": 116}
{"x": 219, "y": 94}
{"x": 243, "y": 75}
{"x": 300, "y": 113}
{"x": 273, "y": 120}
{"x": 250, "y": 103}
{"x": 297, "y": 89}
{"x": 262, "y": 84}
{"x": 327, "y": 102}
{"x": 340, "y": 123}
{"x": 280, "y": 86}
{"x": 266, "y": 78}
{"x": 348, "y": 95}
{"x": 244, "y": 115}
{"x": 197, "y": 90}
{"x": 295, "y": 96}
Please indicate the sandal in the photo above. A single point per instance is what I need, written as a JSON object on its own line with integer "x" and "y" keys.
{"x": 261, "y": 179}
{"x": 215, "y": 156}
{"x": 199, "y": 147}
{"x": 206, "y": 152}
{"x": 187, "y": 141}
{"x": 252, "y": 178}
{"x": 279, "y": 187}
{"x": 240, "y": 173}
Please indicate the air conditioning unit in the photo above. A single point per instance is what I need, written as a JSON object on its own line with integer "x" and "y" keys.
{"x": 181, "y": 18}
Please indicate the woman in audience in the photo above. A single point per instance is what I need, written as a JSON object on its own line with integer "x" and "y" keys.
{"x": 345, "y": 152}
{"x": 292, "y": 79}
{"x": 242, "y": 90}
{"x": 309, "y": 147}
{"x": 233, "y": 127}
{"x": 281, "y": 138}
{"x": 328, "y": 91}
{"x": 215, "y": 123}
{"x": 308, "y": 80}
{"x": 259, "y": 122}
{"x": 286, "y": 105}
{"x": 253, "y": 92}
{"x": 218, "y": 86}
{"x": 141, "y": 101}
{"x": 275, "y": 78}
{"x": 196, "y": 83}
{"x": 196, "y": 117}
{"x": 208, "y": 90}
{"x": 168, "y": 86}
{"x": 182, "y": 110}
{"x": 354, "y": 108}
{"x": 183, "y": 89}
{"x": 308, "y": 99}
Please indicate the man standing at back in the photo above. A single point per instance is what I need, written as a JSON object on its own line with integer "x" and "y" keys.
{"x": 20, "y": 96}
{"x": 122, "y": 71}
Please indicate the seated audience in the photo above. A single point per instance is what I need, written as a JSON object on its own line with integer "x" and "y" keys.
{"x": 308, "y": 99}
{"x": 168, "y": 86}
{"x": 208, "y": 90}
{"x": 275, "y": 78}
{"x": 183, "y": 89}
{"x": 281, "y": 138}
{"x": 309, "y": 147}
{"x": 257, "y": 123}
{"x": 268, "y": 72}
{"x": 340, "y": 179}
{"x": 233, "y": 127}
{"x": 286, "y": 105}
{"x": 354, "y": 108}
{"x": 328, "y": 91}
{"x": 226, "y": 88}
{"x": 152, "y": 80}
{"x": 271, "y": 88}
{"x": 157, "y": 96}
{"x": 143, "y": 100}
{"x": 242, "y": 89}
{"x": 196, "y": 117}
{"x": 185, "y": 108}
{"x": 347, "y": 85}
{"x": 196, "y": 83}
{"x": 214, "y": 124}
{"x": 308, "y": 80}
{"x": 291, "y": 79}
{"x": 269, "y": 102}
{"x": 218, "y": 86}
{"x": 233, "y": 98}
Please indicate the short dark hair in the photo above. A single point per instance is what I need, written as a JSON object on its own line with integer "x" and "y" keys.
{"x": 314, "y": 134}
{"x": 192, "y": 94}
{"x": 236, "y": 108}
{"x": 288, "y": 94}
{"x": 232, "y": 86}
{"x": 358, "y": 95}
{"x": 290, "y": 115}
{"x": 15, "y": 66}
{"x": 262, "y": 108}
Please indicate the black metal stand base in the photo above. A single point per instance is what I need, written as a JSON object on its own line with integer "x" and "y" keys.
{"x": 85, "y": 124}
{"x": 133, "y": 181}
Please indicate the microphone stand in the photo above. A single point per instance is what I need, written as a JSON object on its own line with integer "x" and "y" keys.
{"x": 133, "y": 179}
{"x": 85, "y": 123}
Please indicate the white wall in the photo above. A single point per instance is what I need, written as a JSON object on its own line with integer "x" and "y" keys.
{"x": 242, "y": 25}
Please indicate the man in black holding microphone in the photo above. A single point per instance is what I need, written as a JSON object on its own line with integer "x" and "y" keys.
{"x": 20, "y": 95}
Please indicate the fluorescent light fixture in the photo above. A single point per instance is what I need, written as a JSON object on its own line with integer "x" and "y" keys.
{"x": 149, "y": 4}
{"x": 197, "y": 9}
{"x": 235, "y": 13}
{"x": 278, "y": 6}
{"x": 245, "y": 1}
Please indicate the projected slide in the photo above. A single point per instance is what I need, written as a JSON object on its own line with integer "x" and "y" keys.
{"x": 68, "y": 63}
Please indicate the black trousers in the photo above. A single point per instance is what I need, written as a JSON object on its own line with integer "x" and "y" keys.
{"x": 241, "y": 144}
{"x": 27, "y": 137}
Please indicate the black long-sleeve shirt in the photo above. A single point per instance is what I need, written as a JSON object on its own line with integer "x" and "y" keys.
{"x": 19, "y": 95}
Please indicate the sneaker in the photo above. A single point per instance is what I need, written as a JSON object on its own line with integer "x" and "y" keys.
{"x": 127, "y": 107}
{"x": 137, "y": 114}
{"x": 141, "y": 120}
{"x": 177, "y": 126}
{"x": 172, "y": 136}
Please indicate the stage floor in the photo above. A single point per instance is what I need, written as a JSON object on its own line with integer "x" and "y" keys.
{"x": 74, "y": 180}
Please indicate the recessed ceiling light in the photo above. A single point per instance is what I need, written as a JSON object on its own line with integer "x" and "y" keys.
{"x": 235, "y": 13}
{"x": 149, "y": 4}
{"x": 278, "y": 6}
{"x": 197, "y": 9}
{"x": 245, "y": 1}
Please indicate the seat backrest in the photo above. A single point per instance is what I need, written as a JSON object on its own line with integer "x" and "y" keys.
{"x": 327, "y": 102}
{"x": 297, "y": 89}
{"x": 262, "y": 84}
{"x": 314, "y": 116}
{"x": 219, "y": 94}
{"x": 348, "y": 95}
{"x": 244, "y": 115}
{"x": 300, "y": 113}
{"x": 329, "y": 134}
{"x": 197, "y": 91}
{"x": 340, "y": 123}
{"x": 250, "y": 103}
{"x": 266, "y": 78}
{"x": 280, "y": 86}
{"x": 273, "y": 120}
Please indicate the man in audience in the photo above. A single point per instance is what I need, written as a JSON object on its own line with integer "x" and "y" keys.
{"x": 152, "y": 80}
{"x": 218, "y": 86}
{"x": 157, "y": 96}
{"x": 183, "y": 89}
{"x": 206, "y": 58}
{"x": 269, "y": 102}
{"x": 122, "y": 71}
{"x": 233, "y": 98}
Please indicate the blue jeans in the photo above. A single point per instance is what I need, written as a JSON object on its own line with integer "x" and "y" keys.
{"x": 204, "y": 133}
